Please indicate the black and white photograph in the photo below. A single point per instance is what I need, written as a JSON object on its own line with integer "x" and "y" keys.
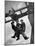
{"x": 19, "y": 23}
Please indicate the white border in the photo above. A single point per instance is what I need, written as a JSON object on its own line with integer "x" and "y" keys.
{"x": 2, "y": 23}
{"x": 22, "y": 0}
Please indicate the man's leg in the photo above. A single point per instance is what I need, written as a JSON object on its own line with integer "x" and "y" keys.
{"x": 18, "y": 35}
{"x": 24, "y": 35}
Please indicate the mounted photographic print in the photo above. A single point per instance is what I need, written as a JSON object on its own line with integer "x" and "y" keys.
{"x": 19, "y": 23}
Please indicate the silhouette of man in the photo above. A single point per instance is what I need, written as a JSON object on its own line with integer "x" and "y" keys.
{"x": 19, "y": 29}
{"x": 23, "y": 30}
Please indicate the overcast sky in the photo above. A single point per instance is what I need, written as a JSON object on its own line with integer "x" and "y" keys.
{"x": 13, "y": 4}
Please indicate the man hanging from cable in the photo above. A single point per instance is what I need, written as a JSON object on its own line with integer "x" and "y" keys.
{"x": 19, "y": 29}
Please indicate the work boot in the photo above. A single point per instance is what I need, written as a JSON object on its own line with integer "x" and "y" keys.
{"x": 17, "y": 39}
{"x": 26, "y": 37}
{"x": 13, "y": 37}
